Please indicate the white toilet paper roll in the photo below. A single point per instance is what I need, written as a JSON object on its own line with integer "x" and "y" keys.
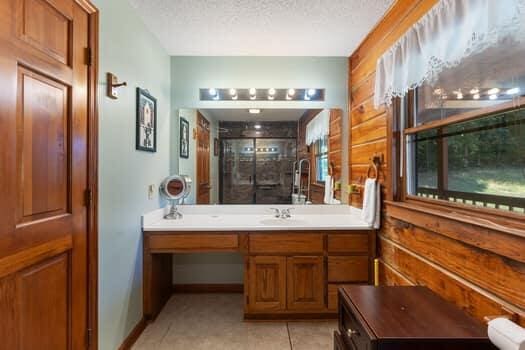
{"x": 506, "y": 335}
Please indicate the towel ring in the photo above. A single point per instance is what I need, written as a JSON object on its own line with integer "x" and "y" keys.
{"x": 375, "y": 161}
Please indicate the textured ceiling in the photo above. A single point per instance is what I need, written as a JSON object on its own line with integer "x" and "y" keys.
{"x": 242, "y": 115}
{"x": 261, "y": 28}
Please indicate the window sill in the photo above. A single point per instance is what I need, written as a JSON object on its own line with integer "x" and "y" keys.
{"x": 502, "y": 224}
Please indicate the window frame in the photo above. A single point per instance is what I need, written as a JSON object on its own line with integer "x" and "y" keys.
{"x": 316, "y": 154}
{"x": 403, "y": 112}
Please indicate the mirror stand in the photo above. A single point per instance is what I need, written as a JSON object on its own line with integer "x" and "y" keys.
{"x": 174, "y": 213}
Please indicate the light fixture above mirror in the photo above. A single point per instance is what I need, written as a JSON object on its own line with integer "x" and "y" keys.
{"x": 262, "y": 94}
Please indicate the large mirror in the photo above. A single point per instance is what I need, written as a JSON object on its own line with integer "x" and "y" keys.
{"x": 260, "y": 156}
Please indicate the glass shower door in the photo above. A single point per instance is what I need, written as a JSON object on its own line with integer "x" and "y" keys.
{"x": 237, "y": 171}
{"x": 273, "y": 168}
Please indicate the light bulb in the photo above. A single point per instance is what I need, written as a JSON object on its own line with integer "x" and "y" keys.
{"x": 474, "y": 91}
{"x": 253, "y": 91}
{"x": 233, "y": 92}
{"x": 291, "y": 92}
{"x": 475, "y": 96}
{"x": 271, "y": 91}
{"x": 513, "y": 91}
{"x": 311, "y": 92}
{"x": 493, "y": 91}
{"x": 212, "y": 92}
{"x": 493, "y": 97}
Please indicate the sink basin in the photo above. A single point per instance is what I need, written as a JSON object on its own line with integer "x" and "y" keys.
{"x": 282, "y": 222}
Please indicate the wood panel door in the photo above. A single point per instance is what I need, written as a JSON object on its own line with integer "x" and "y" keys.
{"x": 267, "y": 283}
{"x": 43, "y": 174}
{"x": 203, "y": 160}
{"x": 305, "y": 277}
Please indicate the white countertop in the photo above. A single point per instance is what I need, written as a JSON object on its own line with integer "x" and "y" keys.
{"x": 256, "y": 218}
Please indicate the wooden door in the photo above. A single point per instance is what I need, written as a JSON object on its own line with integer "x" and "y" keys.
{"x": 203, "y": 160}
{"x": 43, "y": 174}
{"x": 305, "y": 277}
{"x": 267, "y": 283}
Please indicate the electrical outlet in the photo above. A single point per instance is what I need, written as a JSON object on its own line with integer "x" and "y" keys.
{"x": 151, "y": 191}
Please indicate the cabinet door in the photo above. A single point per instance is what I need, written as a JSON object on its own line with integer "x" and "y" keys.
{"x": 267, "y": 280}
{"x": 305, "y": 275}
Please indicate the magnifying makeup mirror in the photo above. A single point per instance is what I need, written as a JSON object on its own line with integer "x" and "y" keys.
{"x": 175, "y": 189}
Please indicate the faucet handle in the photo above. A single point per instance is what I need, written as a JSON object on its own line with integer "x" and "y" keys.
{"x": 286, "y": 212}
{"x": 277, "y": 212}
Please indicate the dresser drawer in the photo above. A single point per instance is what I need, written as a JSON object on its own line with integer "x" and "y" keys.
{"x": 348, "y": 243}
{"x": 348, "y": 268}
{"x": 276, "y": 243}
{"x": 193, "y": 243}
{"x": 352, "y": 331}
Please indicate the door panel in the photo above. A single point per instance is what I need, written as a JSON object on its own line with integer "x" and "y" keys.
{"x": 203, "y": 160}
{"x": 267, "y": 279}
{"x": 39, "y": 286}
{"x": 305, "y": 275}
{"x": 43, "y": 174}
{"x": 42, "y": 147}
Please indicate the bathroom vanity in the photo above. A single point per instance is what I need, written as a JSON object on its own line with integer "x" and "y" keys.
{"x": 292, "y": 266}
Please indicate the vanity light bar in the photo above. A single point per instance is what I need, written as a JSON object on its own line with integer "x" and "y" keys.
{"x": 262, "y": 94}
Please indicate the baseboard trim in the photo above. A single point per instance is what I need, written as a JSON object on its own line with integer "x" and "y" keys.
{"x": 134, "y": 335}
{"x": 208, "y": 288}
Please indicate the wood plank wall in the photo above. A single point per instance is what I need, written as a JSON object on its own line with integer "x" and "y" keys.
{"x": 478, "y": 269}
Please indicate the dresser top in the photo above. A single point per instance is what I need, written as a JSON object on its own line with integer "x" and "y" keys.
{"x": 411, "y": 312}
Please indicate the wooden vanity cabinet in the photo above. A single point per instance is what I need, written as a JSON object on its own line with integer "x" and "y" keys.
{"x": 287, "y": 274}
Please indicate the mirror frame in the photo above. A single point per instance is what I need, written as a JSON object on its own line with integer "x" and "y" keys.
{"x": 186, "y": 187}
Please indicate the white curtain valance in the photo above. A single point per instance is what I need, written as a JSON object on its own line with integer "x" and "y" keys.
{"x": 450, "y": 32}
{"x": 319, "y": 127}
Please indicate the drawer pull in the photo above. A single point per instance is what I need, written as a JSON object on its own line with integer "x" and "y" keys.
{"x": 350, "y": 332}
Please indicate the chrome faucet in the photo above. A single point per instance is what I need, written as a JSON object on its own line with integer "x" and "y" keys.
{"x": 283, "y": 213}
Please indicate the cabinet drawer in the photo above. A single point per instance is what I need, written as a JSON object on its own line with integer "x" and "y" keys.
{"x": 277, "y": 243}
{"x": 347, "y": 269}
{"x": 348, "y": 243}
{"x": 193, "y": 243}
{"x": 352, "y": 331}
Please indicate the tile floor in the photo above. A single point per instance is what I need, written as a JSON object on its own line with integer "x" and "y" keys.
{"x": 215, "y": 321}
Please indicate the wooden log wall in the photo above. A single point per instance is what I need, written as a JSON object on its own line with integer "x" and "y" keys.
{"x": 479, "y": 269}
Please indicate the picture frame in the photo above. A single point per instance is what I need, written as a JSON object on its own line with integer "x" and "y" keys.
{"x": 216, "y": 147}
{"x": 184, "y": 139}
{"x": 146, "y": 127}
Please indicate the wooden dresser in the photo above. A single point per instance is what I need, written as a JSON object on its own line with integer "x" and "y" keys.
{"x": 383, "y": 318}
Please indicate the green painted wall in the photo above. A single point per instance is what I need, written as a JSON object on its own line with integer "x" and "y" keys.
{"x": 130, "y": 51}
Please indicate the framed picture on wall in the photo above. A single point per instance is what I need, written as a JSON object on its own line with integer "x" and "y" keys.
{"x": 184, "y": 145}
{"x": 146, "y": 129}
{"x": 215, "y": 147}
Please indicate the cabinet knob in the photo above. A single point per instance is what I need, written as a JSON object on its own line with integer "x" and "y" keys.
{"x": 351, "y": 332}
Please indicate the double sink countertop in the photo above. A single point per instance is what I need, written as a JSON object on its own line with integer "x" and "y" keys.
{"x": 256, "y": 217}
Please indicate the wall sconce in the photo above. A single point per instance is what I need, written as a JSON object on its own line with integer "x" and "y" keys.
{"x": 113, "y": 85}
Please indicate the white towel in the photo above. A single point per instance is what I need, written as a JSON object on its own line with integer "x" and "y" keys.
{"x": 506, "y": 335}
{"x": 328, "y": 190}
{"x": 371, "y": 213}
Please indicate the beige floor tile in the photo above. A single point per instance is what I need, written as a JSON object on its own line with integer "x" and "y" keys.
{"x": 215, "y": 321}
{"x": 312, "y": 335}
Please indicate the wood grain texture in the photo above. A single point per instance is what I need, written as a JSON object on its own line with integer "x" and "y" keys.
{"x": 305, "y": 283}
{"x": 348, "y": 269}
{"x": 501, "y": 276}
{"x": 472, "y": 299}
{"x": 354, "y": 243}
{"x": 267, "y": 283}
{"x": 193, "y": 242}
{"x": 294, "y": 243}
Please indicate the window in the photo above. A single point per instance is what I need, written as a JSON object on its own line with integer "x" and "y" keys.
{"x": 321, "y": 159}
{"x": 466, "y": 153}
